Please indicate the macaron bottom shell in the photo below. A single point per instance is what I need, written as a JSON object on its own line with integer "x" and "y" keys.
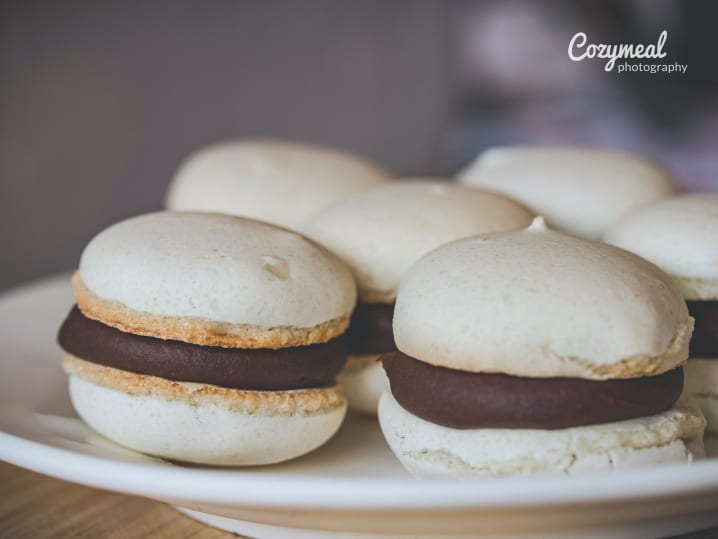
{"x": 429, "y": 450}
{"x": 702, "y": 385}
{"x": 364, "y": 381}
{"x": 212, "y": 433}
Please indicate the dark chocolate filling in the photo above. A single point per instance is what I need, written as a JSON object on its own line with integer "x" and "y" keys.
{"x": 704, "y": 342}
{"x": 370, "y": 330}
{"x": 466, "y": 400}
{"x": 255, "y": 369}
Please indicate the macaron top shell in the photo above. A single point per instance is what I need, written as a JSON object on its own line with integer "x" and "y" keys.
{"x": 382, "y": 232}
{"x": 539, "y": 303}
{"x": 582, "y": 191}
{"x": 217, "y": 268}
{"x": 681, "y": 236}
{"x": 278, "y": 182}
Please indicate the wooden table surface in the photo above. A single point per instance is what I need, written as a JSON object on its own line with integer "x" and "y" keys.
{"x": 34, "y": 506}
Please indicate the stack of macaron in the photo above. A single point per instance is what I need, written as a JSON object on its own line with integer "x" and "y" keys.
{"x": 208, "y": 338}
{"x": 536, "y": 352}
{"x": 681, "y": 236}
{"x": 379, "y": 234}
{"x": 283, "y": 183}
{"x": 579, "y": 190}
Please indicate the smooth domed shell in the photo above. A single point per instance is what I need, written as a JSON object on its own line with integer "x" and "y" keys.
{"x": 217, "y": 268}
{"x": 379, "y": 234}
{"x": 279, "y": 182}
{"x": 681, "y": 236}
{"x": 582, "y": 191}
{"x": 541, "y": 303}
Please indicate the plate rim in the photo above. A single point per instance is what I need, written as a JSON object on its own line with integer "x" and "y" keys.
{"x": 248, "y": 488}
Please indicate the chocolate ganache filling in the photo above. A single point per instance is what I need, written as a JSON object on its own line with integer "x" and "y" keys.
{"x": 704, "y": 342}
{"x": 370, "y": 329}
{"x": 254, "y": 369}
{"x": 466, "y": 400}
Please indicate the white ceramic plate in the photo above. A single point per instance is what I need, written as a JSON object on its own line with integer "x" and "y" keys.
{"x": 353, "y": 486}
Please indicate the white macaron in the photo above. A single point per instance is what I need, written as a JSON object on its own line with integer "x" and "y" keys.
{"x": 280, "y": 182}
{"x": 582, "y": 191}
{"x": 208, "y": 338}
{"x": 681, "y": 236}
{"x": 533, "y": 352}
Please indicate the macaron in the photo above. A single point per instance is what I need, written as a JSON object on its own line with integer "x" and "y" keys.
{"x": 582, "y": 191}
{"x": 379, "y": 234}
{"x": 208, "y": 338}
{"x": 533, "y": 352}
{"x": 279, "y": 182}
{"x": 681, "y": 236}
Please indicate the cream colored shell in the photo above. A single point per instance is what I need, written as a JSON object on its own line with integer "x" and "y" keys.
{"x": 274, "y": 181}
{"x": 702, "y": 384}
{"x": 582, "y": 191}
{"x": 364, "y": 381}
{"x": 429, "y": 450}
{"x": 218, "y": 268}
{"x": 681, "y": 236}
{"x": 382, "y": 232}
{"x": 207, "y": 433}
{"x": 540, "y": 303}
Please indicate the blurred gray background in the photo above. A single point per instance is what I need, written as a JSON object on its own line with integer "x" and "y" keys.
{"x": 100, "y": 101}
